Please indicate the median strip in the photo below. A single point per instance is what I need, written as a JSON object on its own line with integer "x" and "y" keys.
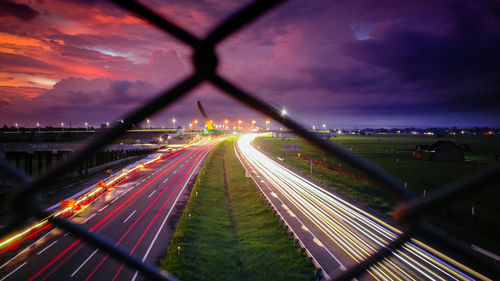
{"x": 253, "y": 246}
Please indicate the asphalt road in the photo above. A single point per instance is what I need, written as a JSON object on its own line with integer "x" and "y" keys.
{"x": 337, "y": 233}
{"x": 135, "y": 215}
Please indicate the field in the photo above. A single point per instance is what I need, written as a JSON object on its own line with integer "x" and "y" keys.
{"x": 394, "y": 154}
{"x": 228, "y": 232}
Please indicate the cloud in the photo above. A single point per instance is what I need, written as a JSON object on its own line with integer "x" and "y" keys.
{"x": 20, "y": 11}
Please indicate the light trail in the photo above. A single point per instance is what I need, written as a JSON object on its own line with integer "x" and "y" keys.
{"x": 102, "y": 223}
{"x": 354, "y": 231}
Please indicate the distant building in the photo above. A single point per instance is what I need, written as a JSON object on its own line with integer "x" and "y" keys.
{"x": 440, "y": 150}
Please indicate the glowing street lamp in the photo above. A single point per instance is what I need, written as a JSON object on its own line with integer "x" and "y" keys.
{"x": 314, "y": 127}
{"x": 62, "y": 126}
{"x": 324, "y": 127}
{"x": 107, "y": 124}
{"x": 17, "y": 127}
{"x": 38, "y": 125}
{"x": 147, "y": 121}
{"x": 86, "y": 125}
{"x": 284, "y": 112}
{"x": 173, "y": 122}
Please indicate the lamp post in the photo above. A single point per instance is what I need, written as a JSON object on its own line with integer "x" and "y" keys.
{"x": 38, "y": 126}
{"x": 173, "y": 122}
{"x": 147, "y": 121}
{"x": 62, "y": 126}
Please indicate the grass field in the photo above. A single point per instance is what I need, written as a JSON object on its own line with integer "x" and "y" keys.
{"x": 393, "y": 154}
{"x": 233, "y": 237}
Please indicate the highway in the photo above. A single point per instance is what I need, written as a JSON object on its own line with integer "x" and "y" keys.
{"x": 135, "y": 214}
{"x": 338, "y": 234}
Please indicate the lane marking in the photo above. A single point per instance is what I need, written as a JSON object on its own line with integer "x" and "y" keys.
{"x": 43, "y": 250}
{"x": 152, "y": 193}
{"x": 165, "y": 180}
{"x": 101, "y": 209}
{"x": 81, "y": 265}
{"x": 87, "y": 219}
{"x": 66, "y": 234}
{"x": 168, "y": 214}
{"x": 129, "y": 216}
{"x": 12, "y": 272}
{"x": 114, "y": 200}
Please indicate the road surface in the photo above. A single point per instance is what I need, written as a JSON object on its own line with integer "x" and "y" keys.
{"x": 339, "y": 234}
{"x": 135, "y": 215}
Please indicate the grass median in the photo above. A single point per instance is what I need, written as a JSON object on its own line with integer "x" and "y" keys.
{"x": 227, "y": 232}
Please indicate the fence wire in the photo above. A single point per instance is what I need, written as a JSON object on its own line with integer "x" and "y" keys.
{"x": 410, "y": 211}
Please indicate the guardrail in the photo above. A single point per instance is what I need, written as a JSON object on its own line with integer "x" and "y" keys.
{"x": 410, "y": 211}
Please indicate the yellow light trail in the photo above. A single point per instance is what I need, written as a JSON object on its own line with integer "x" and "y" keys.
{"x": 353, "y": 230}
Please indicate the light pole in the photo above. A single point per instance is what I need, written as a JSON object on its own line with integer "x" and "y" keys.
{"x": 38, "y": 126}
{"x": 17, "y": 127}
{"x": 267, "y": 124}
{"x": 147, "y": 121}
{"x": 86, "y": 126}
{"x": 314, "y": 127}
{"x": 173, "y": 122}
{"x": 62, "y": 126}
{"x": 324, "y": 127}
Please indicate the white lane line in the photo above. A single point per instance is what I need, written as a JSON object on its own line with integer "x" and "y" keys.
{"x": 152, "y": 193}
{"x": 43, "y": 250}
{"x": 129, "y": 216}
{"x": 114, "y": 200}
{"x": 12, "y": 272}
{"x": 66, "y": 234}
{"x": 101, "y": 209}
{"x": 87, "y": 219}
{"x": 81, "y": 265}
{"x": 168, "y": 214}
{"x": 165, "y": 180}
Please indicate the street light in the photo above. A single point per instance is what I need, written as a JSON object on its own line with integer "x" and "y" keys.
{"x": 173, "y": 121}
{"x": 62, "y": 126}
{"x": 314, "y": 127}
{"x": 283, "y": 112}
{"x": 107, "y": 124}
{"x": 147, "y": 121}
{"x": 17, "y": 127}
{"x": 86, "y": 126}
{"x": 38, "y": 125}
{"x": 324, "y": 127}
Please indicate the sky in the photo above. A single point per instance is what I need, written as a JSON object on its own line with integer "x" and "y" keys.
{"x": 345, "y": 63}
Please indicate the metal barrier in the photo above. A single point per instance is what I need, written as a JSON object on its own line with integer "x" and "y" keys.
{"x": 410, "y": 211}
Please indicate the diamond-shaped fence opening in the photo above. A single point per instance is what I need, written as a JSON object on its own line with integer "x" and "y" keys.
{"x": 409, "y": 210}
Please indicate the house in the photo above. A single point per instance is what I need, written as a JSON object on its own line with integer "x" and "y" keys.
{"x": 440, "y": 150}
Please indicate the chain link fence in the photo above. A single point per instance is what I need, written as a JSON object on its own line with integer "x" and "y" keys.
{"x": 410, "y": 211}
